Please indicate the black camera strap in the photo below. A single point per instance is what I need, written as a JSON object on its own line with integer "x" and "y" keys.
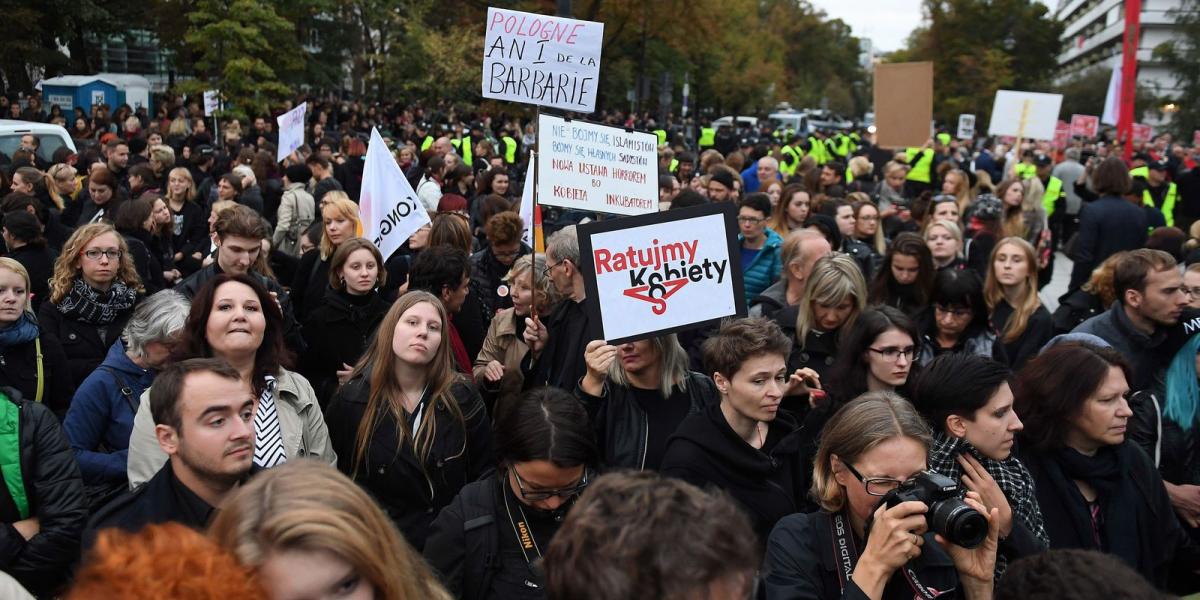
{"x": 845, "y": 554}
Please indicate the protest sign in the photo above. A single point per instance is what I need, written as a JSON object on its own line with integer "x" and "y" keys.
{"x": 1142, "y": 132}
{"x": 662, "y": 273}
{"x": 1062, "y": 134}
{"x": 1085, "y": 126}
{"x": 537, "y": 59}
{"x": 903, "y": 104}
{"x": 1196, "y": 138}
{"x": 212, "y": 102}
{"x": 596, "y": 168}
{"x": 966, "y": 127}
{"x": 388, "y": 207}
{"x": 291, "y": 131}
{"x": 1028, "y": 115}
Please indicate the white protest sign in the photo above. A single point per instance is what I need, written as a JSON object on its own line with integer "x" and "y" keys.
{"x": 212, "y": 102}
{"x": 664, "y": 272}
{"x": 966, "y": 127}
{"x": 1028, "y": 115}
{"x": 595, "y": 168}
{"x": 291, "y": 131}
{"x": 536, "y": 59}
{"x": 527, "y": 207}
{"x": 388, "y": 207}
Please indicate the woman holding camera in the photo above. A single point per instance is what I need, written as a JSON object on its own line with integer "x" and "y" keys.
{"x": 873, "y": 446}
{"x": 968, "y": 402}
{"x": 1097, "y": 489}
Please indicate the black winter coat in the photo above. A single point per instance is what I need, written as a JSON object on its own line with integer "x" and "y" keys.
{"x": 55, "y": 491}
{"x": 310, "y": 283}
{"x": 19, "y": 369}
{"x": 1106, "y": 226}
{"x": 768, "y": 484}
{"x": 85, "y": 345}
{"x": 620, "y": 422}
{"x": 338, "y": 332}
{"x": 148, "y": 265}
{"x": 39, "y": 261}
{"x": 412, "y": 491}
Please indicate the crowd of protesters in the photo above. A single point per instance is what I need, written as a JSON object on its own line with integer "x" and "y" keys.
{"x": 214, "y": 387}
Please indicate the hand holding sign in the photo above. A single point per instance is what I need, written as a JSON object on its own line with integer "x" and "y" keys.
{"x": 598, "y": 356}
{"x": 535, "y": 334}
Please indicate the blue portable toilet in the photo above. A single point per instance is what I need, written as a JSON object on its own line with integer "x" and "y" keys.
{"x": 86, "y": 91}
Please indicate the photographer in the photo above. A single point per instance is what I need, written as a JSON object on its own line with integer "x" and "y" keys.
{"x": 876, "y": 446}
{"x": 967, "y": 400}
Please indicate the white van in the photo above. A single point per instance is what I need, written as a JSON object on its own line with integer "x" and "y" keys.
{"x": 50, "y": 138}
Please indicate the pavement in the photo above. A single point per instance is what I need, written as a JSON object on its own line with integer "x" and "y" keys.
{"x": 1058, "y": 283}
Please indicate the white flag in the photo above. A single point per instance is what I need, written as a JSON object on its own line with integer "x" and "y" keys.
{"x": 1112, "y": 101}
{"x": 527, "y": 203}
{"x": 388, "y": 206}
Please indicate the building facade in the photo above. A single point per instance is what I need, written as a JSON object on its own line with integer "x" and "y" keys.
{"x": 1094, "y": 31}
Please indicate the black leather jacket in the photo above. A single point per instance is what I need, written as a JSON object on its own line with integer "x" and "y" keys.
{"x": 620, "y": 423}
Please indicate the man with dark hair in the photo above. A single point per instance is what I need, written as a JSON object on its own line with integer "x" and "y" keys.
{"x": 688, "y": 197}
{"x": 761, "y": 265}
{"x": 116, "y": 155}
{"x": 701, "y": 542}
{"x": 833, "y": 177}
{"x": 1150, "y": 299}
{"x": 203, "y": 418}
{"x": 444, "y": 271}
{"x": 720, "y": 185}
{"x": 1069, "y": 574}
{"x": 323, "y": 179}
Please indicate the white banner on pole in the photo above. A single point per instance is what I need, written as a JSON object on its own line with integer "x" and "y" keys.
{"x": 537, "y": 59}
{"x": 527, "y": 205}
{"x": 596, "y": 168}
{"x": 1029, "y": 115}
{"x": 212, "y": 102}
{"x": 388, "y": 206}
{"x": 291, "y": 131}
{"x": 1112, "y": 98}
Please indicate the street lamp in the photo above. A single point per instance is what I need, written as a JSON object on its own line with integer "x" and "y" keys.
{"x": 1170, "y": 108}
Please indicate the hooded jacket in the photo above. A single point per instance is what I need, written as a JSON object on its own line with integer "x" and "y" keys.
{"x": 768, "y": 483}
{"x": 766, "y": 266}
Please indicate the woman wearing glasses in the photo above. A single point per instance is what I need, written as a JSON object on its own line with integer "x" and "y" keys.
{"x": 406, "y": 427}
{"x": 744, "y": 444}
{"x": 957, "y": 321}
{"x": 92, "y": 294}
{"x": 486, "y": 542}
{"x": 868, "y": 448}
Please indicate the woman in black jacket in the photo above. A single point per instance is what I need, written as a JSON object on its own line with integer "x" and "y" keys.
{"x": 968, "y": 402}
{"x": 31, "y": 362}
{"x": 487, "y": 542}
{"x": 92, "y": 294}
{"x": 905, "y": 279}
{"x": 133, "y": 222}
{"x": 1011, "y": 293}
{"x": 340, "y": 217}
{"x": 744, "y": 444}
{"x": 339, "y": 330}
{"x": 23, "y": 237}
{"x": 189, "y": 232}
{"x": 957, "y": 320}
{"x": 857, "y": 546}
{"x": 1096, "y": 489}
{"x": 406, "y": 426}
{"x": 637, "y": 394}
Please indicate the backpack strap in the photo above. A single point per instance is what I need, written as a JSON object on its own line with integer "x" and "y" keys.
{"x": 41, "y": 372}
{"x": 480, "y": 541}
{"x": 125, "y": 389}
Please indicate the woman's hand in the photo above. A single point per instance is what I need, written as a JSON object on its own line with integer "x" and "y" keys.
{"x": 978, "y": 563}
{"x": 978, "y": 480}
{"x": 598, "y": 356}
{"x": 535, "y": 335}
{"x": 895, "y": 537}
{"x": 494, "y": 371}
{"x": 801, "y": 380}
{"x": 343, "y": 374}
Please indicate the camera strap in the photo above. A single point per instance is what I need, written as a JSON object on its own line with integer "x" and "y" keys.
{"x": 520, "y": 527}
{"x": 845, "y": 554}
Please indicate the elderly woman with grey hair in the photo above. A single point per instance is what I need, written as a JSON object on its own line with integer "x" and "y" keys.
{"x": 100, "y": 419}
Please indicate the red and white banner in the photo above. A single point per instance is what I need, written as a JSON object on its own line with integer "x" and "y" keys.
{"x": 1085, "y": 126}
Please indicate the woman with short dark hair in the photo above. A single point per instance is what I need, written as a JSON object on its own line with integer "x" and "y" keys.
{"x": 905, "y": 279}
{"x": 545, "y": 457}
{"x": 957, "y": 319}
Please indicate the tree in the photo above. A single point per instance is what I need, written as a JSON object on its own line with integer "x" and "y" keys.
{"x": 1182, "y": 56}
{"x": 980, "y": 46}
{"x": 242, "y": 47}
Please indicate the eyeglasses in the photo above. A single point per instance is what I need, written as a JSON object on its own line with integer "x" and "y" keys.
{"x": 750, "y": 220}
{"x": 540, "y": 495}
{"x": 1191, "y": 291}
{"x": 875, "y": 486}
{"x": 550, "y": 268}
{"x": 513, "y": 254}
{"x": 961, "y": 313}
{"x": 892, "y": 353}
{"x": 95, "y": 254}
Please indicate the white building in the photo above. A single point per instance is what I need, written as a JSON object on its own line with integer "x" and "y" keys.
{"x": 1094, "y": 31}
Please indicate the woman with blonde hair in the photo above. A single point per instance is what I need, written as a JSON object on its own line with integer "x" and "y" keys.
{"x": 835, "y": 293}
{"x": 63, "y": 184}
{"x": 1010, "y": 291}
{"x": 866, "y": 450}
{"x": 31, "y": 362}
{"x": 309, "y": 531}
{"x": 406, "y": 426}
{"x": 957, "y": 184}
{"x": 188, "y": 233}
{"x": 341, "y": 222}
{"x": 497, "y": 368}
{"x": 945, "y": 241}
{"x": 92, "y": 294}
{"x": 162, "y": 160}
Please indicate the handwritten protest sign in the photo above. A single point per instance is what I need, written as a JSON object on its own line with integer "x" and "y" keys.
{"x": 966, "y": 127}
{"x": 662, "y": 273}
{"x": 1085, "y": 126}
{"x": 1028, "y": 115}
{"x": 291, "y": 131}
{"x": 1142, "y": 132}
{"x": 596, "y": 168}
{"x": 536, "y": 59}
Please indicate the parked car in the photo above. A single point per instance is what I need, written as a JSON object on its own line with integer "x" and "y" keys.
{"x": 50, "y": 138}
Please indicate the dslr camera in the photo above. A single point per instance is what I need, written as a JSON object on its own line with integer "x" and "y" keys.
{"x": 948, "y": 516}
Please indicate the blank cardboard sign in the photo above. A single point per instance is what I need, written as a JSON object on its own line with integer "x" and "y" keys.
{"x": 903, "y": 104}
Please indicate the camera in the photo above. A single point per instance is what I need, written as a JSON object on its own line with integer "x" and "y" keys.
{"x": 948, "y": 516}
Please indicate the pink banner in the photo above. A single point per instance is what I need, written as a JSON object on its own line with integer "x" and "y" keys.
{"x": 1085, "y": 126}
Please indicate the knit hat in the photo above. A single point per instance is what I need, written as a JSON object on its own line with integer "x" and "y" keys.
{"x": 1161, "y": 164}
{"x": 298, "y": 173}
{"x": 723, "y": 177}
{"x": 987, "y": 208}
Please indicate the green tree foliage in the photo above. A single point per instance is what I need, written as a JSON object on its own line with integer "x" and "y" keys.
{"x": 980, "y": 46}
{"x": 1182, "y": 56}
{"x": 243, "y": 47}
